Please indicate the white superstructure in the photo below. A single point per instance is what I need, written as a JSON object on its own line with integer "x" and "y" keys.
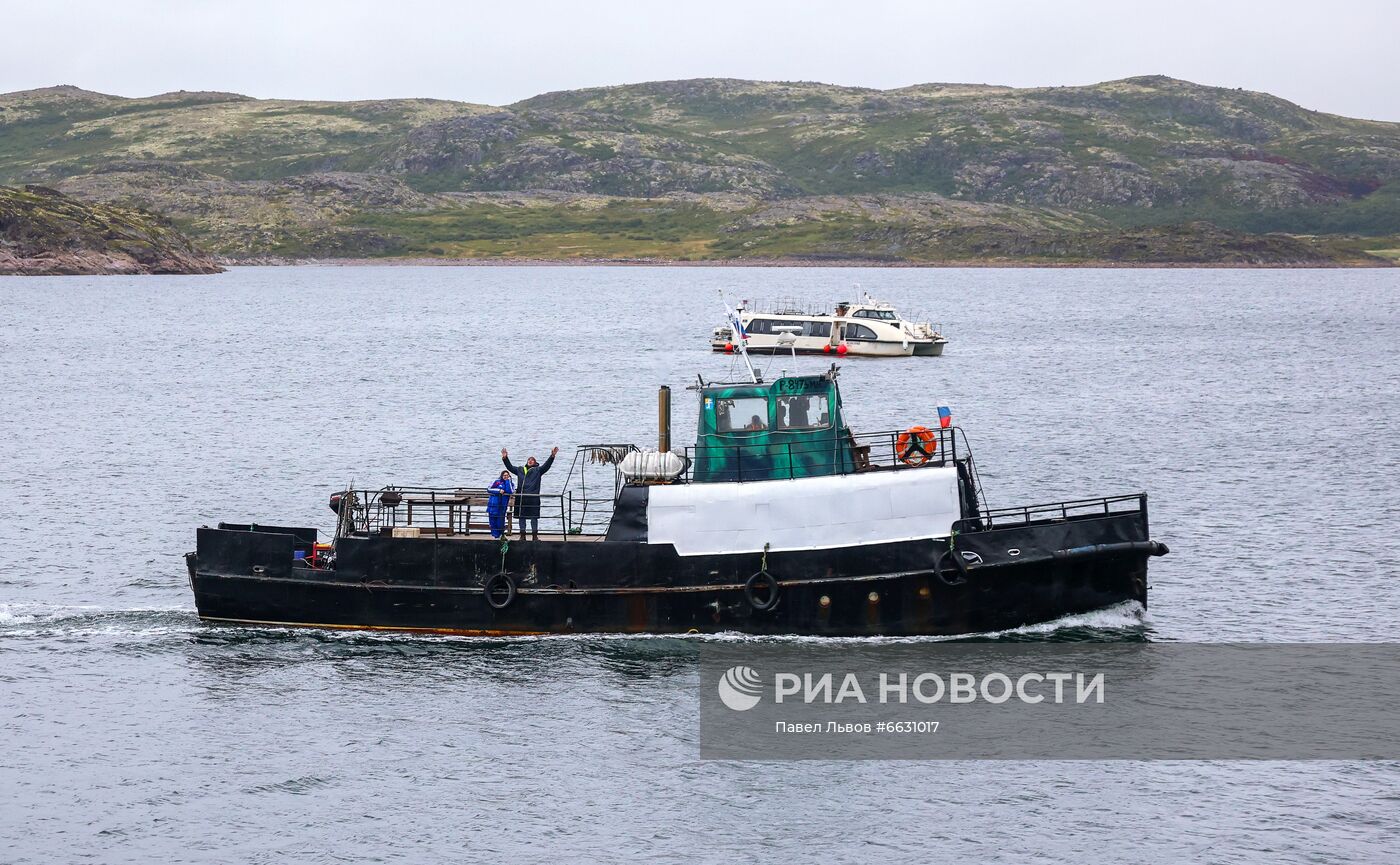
{"x": 805, "y": 513}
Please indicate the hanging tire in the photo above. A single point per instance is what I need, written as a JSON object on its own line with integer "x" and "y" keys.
{"x": 751, "y": 591}
{"x": 492, "y": 590}
{"x": 959, "y": 565}
{"x": 959, "y": 562}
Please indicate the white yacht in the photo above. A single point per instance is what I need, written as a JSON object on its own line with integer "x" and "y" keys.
{"x": 866, "y": 328}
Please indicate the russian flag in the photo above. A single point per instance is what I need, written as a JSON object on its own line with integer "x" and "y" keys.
{"x": 945, "y": 417}
{"x": 738, "y": 325}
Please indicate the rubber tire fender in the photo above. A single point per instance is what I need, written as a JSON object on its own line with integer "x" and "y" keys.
{"x": 761, "y": 577}
{"x": 959, "y": 564}
{"x": 488, "y": 591}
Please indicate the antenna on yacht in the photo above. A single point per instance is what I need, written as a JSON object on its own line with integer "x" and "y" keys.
{"x": 739, "y": 334}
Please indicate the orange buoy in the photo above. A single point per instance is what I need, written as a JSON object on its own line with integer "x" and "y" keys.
{"x": 916, "y": 445}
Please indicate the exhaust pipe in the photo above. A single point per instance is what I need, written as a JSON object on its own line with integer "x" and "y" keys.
{"x": 663, "y": 419}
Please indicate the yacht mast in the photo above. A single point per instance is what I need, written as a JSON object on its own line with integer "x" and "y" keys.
{"x": 739, "y": 335}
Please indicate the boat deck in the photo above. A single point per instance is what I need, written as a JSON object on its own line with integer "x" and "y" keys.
{"x": 544, "y": 536}
{"x": 429, "y": 535}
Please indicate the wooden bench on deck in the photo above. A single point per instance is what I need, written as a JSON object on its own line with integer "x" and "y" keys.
{"x": 460, "y": 506}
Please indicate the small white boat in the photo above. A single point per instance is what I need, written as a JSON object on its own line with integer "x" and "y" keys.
{"x": 868, "y": 328}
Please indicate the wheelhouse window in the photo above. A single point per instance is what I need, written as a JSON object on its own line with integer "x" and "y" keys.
{"x": 741, "y": 414}
{"x": 880, "y": 314}
{"x": 810, "y": 411}
{"x": 859, "y": 331}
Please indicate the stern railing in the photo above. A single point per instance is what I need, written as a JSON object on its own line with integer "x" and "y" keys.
{"x": 462, "y": 512}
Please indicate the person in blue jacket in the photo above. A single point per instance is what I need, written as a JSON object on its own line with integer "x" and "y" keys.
{"x": 496, "y": 505}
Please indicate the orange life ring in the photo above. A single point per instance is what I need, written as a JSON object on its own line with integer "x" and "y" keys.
{"x": 916, "y": 445}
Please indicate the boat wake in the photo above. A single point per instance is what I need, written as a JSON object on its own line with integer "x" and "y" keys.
{"x": 1125, "y": 622}
{"x": 45, "y": 620}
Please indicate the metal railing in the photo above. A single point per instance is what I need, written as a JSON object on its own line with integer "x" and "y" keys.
{"x": 836, "y": 453}
{"x": 609, "y": 454}
{"x": 462, "y": 512}
{"x": 586, "y": 509}
{"x": 1000, "y": 518}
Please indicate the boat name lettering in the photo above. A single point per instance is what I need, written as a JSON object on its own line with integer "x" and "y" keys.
{"x": 797, "y": 385}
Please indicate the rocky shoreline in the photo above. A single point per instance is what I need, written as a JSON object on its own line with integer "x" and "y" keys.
{"x": 46, "y": 233}
{"x": 275, "y": 261}
{"x": 101, "y": 264}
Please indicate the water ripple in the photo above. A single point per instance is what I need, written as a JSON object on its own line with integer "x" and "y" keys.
{"x": 1250, "y": 404}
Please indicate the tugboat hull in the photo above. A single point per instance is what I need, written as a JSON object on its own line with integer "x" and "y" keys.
{"x": 1008, "y": 578}
{"x": 892, "y": 606}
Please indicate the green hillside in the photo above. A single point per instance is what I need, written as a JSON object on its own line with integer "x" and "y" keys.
{"x": 1140, "y": 170}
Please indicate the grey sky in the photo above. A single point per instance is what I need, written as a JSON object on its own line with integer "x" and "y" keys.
{"x": 1338, "y": 56}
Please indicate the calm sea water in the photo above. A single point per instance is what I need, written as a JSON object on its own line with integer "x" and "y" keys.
{"x": 1256, "y": 407}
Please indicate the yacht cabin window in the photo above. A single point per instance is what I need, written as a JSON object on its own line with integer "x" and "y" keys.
{"x": 765, "y": 326}
{"x": 859, "y": 331}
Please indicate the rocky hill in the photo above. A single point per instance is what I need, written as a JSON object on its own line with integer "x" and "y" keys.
{"x": 44, "y": 232}
{"x": 1148, "y": 169}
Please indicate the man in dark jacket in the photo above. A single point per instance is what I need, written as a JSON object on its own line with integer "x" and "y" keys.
{"x": 527, "y": 491}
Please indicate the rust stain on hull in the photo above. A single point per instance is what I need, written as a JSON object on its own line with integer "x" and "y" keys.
{"x": 455, "y": 632}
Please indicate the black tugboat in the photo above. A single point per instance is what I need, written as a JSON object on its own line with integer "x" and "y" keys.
{"x": 780, "y": 520}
